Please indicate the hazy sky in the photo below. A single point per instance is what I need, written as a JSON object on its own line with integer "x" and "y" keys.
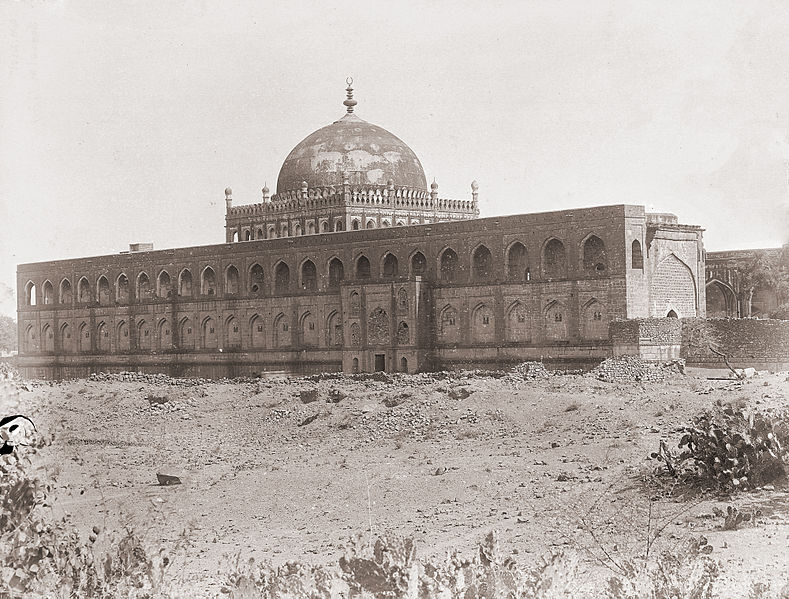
{"x": 124, "y": 121}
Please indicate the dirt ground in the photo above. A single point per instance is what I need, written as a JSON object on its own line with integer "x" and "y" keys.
{"x": 550, "y": 464}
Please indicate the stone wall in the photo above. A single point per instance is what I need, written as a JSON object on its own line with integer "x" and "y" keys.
{"x": 648, "y": 338}
{"x": 747, "y": 342}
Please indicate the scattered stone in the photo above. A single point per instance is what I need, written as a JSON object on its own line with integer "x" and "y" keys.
{"x": 336, "y": 396}
{"x": 308, "y": 420}
{"x": 166, "y": 480}
{"x": 529, "y": 371}
{"x": 308, "y": 395}
{"x": 629, "y": 369}
{"x": 458, "y": 393}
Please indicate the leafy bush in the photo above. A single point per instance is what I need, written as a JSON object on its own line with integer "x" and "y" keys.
{"x": 730, "y": 450}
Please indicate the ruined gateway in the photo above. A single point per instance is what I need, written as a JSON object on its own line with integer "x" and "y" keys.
{"x": 354, "y": 264}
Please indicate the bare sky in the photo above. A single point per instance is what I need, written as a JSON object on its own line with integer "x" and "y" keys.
{"x": 124, "y": 121}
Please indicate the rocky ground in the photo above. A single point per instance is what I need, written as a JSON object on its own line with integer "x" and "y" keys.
{"x": 285, "y": 469}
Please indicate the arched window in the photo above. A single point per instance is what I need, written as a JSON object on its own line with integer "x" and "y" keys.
{"x": 185, "y": 283}
{"x": 390, "y": 266}
{"x": 103, "y": 290}
{"x": 309, "y": 330}
{"x": 362, "y": 268}
{"x": 235, "y": 237}
{"x": 594, "y": 321}
{"x": 309, "y": 276}
{"x": 355, "y": 303}
{"x": 47, "y": 339}
{"x": 282, "y": 332}
{"x": 378, "y": 327}
{"x": 186, "y": 335}
{"x": 123, "y": 342}
{"x": 554, "y": 260}
{"x": 385, "y": 223}
{"x": 283, "y": 230}
{"x": 30, "y": 339}
{"x": 66, "y": 342}
{"x": 66, "y": 296}
{"x": 482, "y": 263}
{"x": 122, "y": 289}
{"x": 281, "y": 278}
{"x": 231, "y": 280}
{"x": 355, "y": 225}
{"x": 517, "y": 324}
{"x": 102, "y": 338}
{"x": 164, "y": 335}
{"x": 450, "y": 325}
{"x": 595, "y": 261}
{"x": 260, "y": 234}
{"x": 165, "y": 285}
{"x": 232, "y": 333}
{"x": 403, "y": 334}
{"x": 272, "y": 232}
{"x": 355, "y": 366}
{"x": 83, "y": 338}
{"x": 336, "y": 273}
{"x": 48, "y": 294}
{"x": 83, "y": 291}
{"x": 144, "y": 337}
{"x": 403, "y": 364}
{"x": 311, "y": 228}
{"x": 339, "y": 225}
{"x": 30, "y": 294}
{"x": 449, "y": 266}
{"x": 247, "y": 235}
{"x": 208, "y": 333}
{"x": 556, "y": 321}
{"x": 418, "y": 264}
{"x": 334, "y": 330}
{"x": 208, "y": 281}
{"x": 297, "y": 230}
{"x": 371, "y": 224}
{"x": 517, "y": 263}
{"x": 637, "y": 258}
{"x": 143, "y": 287}
{"x": 483, "y": 327}
{"x": 256, "y": 332}
{"x": 325, "y": 226}
{"x": 256, "y": 279}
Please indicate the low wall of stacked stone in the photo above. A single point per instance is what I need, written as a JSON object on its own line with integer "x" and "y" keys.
{"x": 761, "y": 344}
{"x": 647, "y": 338}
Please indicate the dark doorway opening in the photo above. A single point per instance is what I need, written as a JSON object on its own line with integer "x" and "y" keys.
{"x": 403, "y": 364}
{"x": 380, "y": 362}
{"x": 671, "y": 314}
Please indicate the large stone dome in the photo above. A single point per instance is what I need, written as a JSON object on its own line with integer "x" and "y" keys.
{"x": 362, "y": 152}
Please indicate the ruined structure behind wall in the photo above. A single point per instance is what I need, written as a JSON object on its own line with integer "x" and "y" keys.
{"x": 354, "y": 265}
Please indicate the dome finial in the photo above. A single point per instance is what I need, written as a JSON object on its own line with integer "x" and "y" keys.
{"x": 349, "y": 101}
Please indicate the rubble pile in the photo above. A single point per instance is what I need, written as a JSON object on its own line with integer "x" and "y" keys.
{"x": 530, "y": 371}
{"x": 8, "y": 372}
{"x": 411, "y": 420}
{"x": 629, "y": 369}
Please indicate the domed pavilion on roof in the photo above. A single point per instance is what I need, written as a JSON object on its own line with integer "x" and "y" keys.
{"x": 348, "y": 175}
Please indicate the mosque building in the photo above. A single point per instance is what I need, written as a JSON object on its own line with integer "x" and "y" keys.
{"x": 356, "y": 265}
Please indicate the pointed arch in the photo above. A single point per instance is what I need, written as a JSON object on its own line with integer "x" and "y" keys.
{"x": 339, "y": 225}
{"x": 481, "y": 264}
{"x": 555, "y": 316}
{"x": 334, "y": 332}
{"x": 309, "y": 276}
{"x": 103, "y": 290}
{"x": 389, "y": 265}
{"x": 309, "y": 329}
{"x": 185, "y": 283}
{"x": 418, "y": 264}
{"x": 257, "y": 334}
{"x": 594, "y": 320}
{"x": 378, "y": 327}
{"x": 164, "y": 285}
{"x": 30, "y": 294}
{"x": 336, "y": 273}
{"x": 370, "y": 223}
{"x": 354, "y": 303}
{"x": 232, "y": 279}
{"x": 517, "y": 328}
{"x": 186, "y": 335}
{"x": 123, "y": 341}
{"x": 721, "y": 299}
{"x": 449, "y": 329}
{"x": 363, "y": 267}
{"x": 122, "y": 293}
{"x": 483, "y": 324}
{"x": 636, "y": 255}
{"x": 103, "y": 340}
{"x": 84, "y": 295}
{"x": 66, "y": 341}
{"x": 311, "y": 228}
{"x": 144, "y": 336}
{"x": 594, "y": 259}
{"x": 403, "y": 334}
{"x": 65, "y": 295}
{"x": 208, "y": 336}
{"x": 83, "y": 338}
{"x": 281, "y": 278}
{"x": 256, "y": 279}
{"x": 164, "y": 335}
{"x": 281, "y": 331}
{"x": 232, "y": 333}
{"x": 47, "y": 293}
{"x": 259, "y": 234}
{"x": 355, "y": 225}
{"x": 143, "y": 287}
{"x": 30, "y": 342}
{"x": 208, "y": 281}
{"x": 673, "y": 286}
{"x": 47, "y": 339}
{"x": 356, "y": 335}
{"x": 449, "y": 266}
{"x": 554, "y": 259}
{"x": 518, "y": 263}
